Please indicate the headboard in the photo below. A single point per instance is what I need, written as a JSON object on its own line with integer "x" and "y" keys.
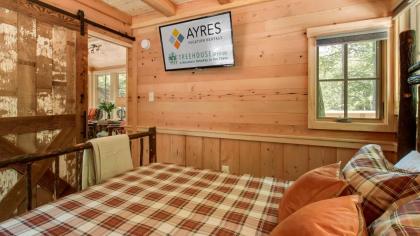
{"x": 408, "y": 130}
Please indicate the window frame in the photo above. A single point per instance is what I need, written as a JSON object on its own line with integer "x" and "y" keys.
{"x": 387, "y": 121}
{"x": 380, "y": 54}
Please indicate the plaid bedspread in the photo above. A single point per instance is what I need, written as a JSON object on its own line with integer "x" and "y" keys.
{"x": 160, "y": 199}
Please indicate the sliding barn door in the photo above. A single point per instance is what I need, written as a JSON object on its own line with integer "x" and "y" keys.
{"x": 41, "y": 99}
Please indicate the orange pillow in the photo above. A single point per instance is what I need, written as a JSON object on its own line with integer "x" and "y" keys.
{"x": 318, "y": 184}
{"x": 335, "y": 216}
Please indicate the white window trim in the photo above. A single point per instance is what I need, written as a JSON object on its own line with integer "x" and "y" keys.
{"x": 388, "y": 123}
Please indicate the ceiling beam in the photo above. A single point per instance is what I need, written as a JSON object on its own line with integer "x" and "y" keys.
{"x": 107, "y": 10}
{"x": 224, "y": 1}
{"x": 166, "y": 7}
{"x": 185, "y": 11}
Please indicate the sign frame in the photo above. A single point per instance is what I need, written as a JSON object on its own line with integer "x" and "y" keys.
{"x": 199, "y": 67}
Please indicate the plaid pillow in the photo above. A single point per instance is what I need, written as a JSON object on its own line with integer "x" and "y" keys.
{"x": 377, "y": 181}
{"x": 401, "y": 218}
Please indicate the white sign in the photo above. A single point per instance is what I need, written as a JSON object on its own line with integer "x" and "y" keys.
{"x": 203, "y": 42}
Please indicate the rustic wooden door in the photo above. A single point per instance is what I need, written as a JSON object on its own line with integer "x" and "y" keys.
{"x": 43, "y": 68}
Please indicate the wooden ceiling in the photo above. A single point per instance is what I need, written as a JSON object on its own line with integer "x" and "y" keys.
{"x": 109, "y": 54}
{"x": 138, "y": 7}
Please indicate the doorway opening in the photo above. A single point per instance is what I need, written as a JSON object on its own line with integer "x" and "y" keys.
{"x": 107, "y": 87}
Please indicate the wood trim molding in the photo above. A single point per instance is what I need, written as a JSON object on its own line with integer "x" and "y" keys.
{"x": 116, "y": 68}
{"x": 365, "y": 25}
{"x": 141, "y": 23}
{"x": 272, "y": 138}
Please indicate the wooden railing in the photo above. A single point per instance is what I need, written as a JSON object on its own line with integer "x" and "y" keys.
{"x": 29, "y": 159}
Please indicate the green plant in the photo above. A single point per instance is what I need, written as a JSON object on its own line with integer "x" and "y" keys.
{"x": 107, "y": 107}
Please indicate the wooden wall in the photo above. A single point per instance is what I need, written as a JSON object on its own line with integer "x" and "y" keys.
{"x": 264, "y": 94}
{"x": 285, "y": 161}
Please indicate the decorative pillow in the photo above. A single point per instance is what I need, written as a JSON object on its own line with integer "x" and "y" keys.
{"x": 377, "y": 181}
{"x": 335, "y": 216}
{"x": 315, "y": 185}
{"x": 401, "y": 218}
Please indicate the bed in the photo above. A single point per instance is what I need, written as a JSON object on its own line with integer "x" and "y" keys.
{"x": 160, "y": 199}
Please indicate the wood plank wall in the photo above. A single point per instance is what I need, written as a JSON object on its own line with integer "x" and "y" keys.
{"x": 264, "y": 93}
{"x": 285, "y": 161}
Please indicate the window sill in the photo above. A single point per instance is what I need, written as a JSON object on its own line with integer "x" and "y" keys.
{"x": 373, "y": 126}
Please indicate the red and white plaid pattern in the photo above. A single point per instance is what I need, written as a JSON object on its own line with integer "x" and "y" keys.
{"x": 160, "y": 199}
{"x": 377, "y": 181}
{"x": 401, "y": 219}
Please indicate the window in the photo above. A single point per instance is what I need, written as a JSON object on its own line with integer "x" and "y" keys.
{"x": 348, "y": 76}
{"x": 122, "y": 85}
{"x": 103, "y": 88}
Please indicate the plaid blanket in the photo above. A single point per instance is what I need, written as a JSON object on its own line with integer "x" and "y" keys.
{"x": 160, "y": 199}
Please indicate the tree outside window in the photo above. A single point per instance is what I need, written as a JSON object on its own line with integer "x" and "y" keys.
{"x": 349, "y": 80}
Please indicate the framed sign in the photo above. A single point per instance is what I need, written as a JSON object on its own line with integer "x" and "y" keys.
{"x": 198, "y": 43}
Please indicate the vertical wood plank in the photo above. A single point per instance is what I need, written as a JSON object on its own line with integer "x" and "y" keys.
{"x": 71, "y": 72}
{"x": 163, "y": 143}
{"x": 146, "y": 151}
{"x": 135, "y": 152}
{"x": 26, "y": 65}
{"x": 211, "y": 153}
{"x": 194, "y": 151}
{"x": 344, "y": 155}
{"x": 296, "y": 161}
{"x": 177, "y": 153}
{"x": 321, "y": 156}
{"x": 8, "y": 61}
{"x": 272, "y": 160}
{"x": 26, "y": 93}
{"x": 59, "y": 69}
{"x": 132, "y": 77}
{"x": 81, "y": 85}
{"x": 229, "y": 155}
{"x": 44, "y": 69}
{"x": 250, "y": 162}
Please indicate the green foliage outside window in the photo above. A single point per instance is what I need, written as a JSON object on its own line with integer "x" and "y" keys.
{"x": 348, "y": 72}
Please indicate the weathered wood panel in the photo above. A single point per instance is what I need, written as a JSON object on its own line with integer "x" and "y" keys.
{"x": 8, "y": 60}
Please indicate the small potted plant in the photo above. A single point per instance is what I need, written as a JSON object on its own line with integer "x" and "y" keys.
{"x": 107, "y": 107}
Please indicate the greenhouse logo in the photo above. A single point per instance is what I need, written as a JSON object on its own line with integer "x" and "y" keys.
{"x": 176, "y": 38}
{"x": 172, "y": 58}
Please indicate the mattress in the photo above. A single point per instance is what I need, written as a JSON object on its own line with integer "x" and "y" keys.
{"x": 160, "y": 199}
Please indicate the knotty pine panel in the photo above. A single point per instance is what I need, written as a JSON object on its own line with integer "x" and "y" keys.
{"x": 260, "y": 159}
{"x": 265, "y": 92}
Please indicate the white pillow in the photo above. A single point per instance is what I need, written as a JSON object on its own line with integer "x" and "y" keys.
{"x": 410, "y": 162}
